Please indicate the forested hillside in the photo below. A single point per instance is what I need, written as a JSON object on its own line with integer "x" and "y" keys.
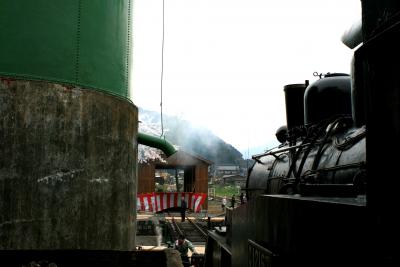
{"x": 190, "y": 138}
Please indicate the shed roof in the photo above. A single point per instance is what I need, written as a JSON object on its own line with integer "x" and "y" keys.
{"x": 234, "y": 177}
{"x": 227, "y": 167}
{"x": 183, "y": 158}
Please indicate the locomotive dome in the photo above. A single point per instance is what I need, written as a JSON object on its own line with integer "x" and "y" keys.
{"x": 327, "y": 97}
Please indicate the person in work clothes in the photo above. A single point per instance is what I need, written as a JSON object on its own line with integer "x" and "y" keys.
{"x": 242, "y": 198}
{"x": 223, "y": 204}
{"x": 233, "y": 201}
{"x": 183, "y": 245}
{"x": 183, "y": 209}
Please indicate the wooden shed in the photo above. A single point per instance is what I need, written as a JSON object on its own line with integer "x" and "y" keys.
{"x": 193, "y": 168}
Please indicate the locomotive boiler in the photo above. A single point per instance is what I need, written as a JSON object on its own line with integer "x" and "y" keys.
{"x": 322, "y": 150}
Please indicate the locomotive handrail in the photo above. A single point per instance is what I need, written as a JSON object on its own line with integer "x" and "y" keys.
{"x": 280, "y": 150}
{"x": 335, "y": 168}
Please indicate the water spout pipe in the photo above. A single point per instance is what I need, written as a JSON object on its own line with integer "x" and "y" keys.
{"x": 156, "y": 142}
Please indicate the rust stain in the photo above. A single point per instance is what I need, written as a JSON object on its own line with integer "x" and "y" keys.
{"x": 7, "y": 80}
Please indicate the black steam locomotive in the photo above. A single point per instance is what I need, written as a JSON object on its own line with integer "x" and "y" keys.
{"x": 326, "y": 196}
{"x": 302, "y": 192}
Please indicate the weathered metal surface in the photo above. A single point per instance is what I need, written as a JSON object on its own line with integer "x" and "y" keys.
{"x": 303, "y": 231}
{"x": 218, "y": 252}
{"x": 85, "y": 43}
{"x": 67, "y": 168}
{"x": 377, "y": 63}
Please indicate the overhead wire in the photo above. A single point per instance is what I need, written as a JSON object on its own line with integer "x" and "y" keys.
{"x": 162, "y": 68}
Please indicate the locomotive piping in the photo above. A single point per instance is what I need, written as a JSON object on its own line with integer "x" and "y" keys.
{"x": 270, "y": 152}
{"x": 319, "y": 130}
{"x": 349, "y": 142}
{"x": 327, "y": 135}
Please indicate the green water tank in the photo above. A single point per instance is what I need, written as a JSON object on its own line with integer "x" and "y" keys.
{"x": 80, "y": 42}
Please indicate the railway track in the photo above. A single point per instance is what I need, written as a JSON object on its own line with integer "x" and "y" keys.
{"x": 194, "y": 230}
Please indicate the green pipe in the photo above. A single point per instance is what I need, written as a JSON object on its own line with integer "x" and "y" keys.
{"x": 156, "y": 142}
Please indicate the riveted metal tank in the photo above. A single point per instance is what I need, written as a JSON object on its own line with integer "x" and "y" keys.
{"x": 68, "y": 130}
{"x": 80, "y": 42}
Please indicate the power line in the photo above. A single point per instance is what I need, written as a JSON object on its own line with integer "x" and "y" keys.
{"x": 162, "y": 66}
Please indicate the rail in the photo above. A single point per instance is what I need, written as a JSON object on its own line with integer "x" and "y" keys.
{"x": 191, "y": 229}
{"x": 197, "y": 227}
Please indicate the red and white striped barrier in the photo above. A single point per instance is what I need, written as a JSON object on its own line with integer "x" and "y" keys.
{"x": 161, "y": 201}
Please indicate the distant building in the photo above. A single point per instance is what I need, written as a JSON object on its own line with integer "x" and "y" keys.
{"x": 188, "y": 172}
{"x": 236, "y": 180}
{"x": 221, "y": 170}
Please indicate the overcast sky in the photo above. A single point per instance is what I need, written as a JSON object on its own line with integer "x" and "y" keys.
{"x": 226, "y": 61}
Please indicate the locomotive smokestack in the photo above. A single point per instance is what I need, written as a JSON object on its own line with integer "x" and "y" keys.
{"x": 294, "y": 98}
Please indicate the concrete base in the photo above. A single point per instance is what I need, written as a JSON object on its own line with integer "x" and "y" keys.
{"x": 67, "y": 168}
{"x": 160, "y": 257}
